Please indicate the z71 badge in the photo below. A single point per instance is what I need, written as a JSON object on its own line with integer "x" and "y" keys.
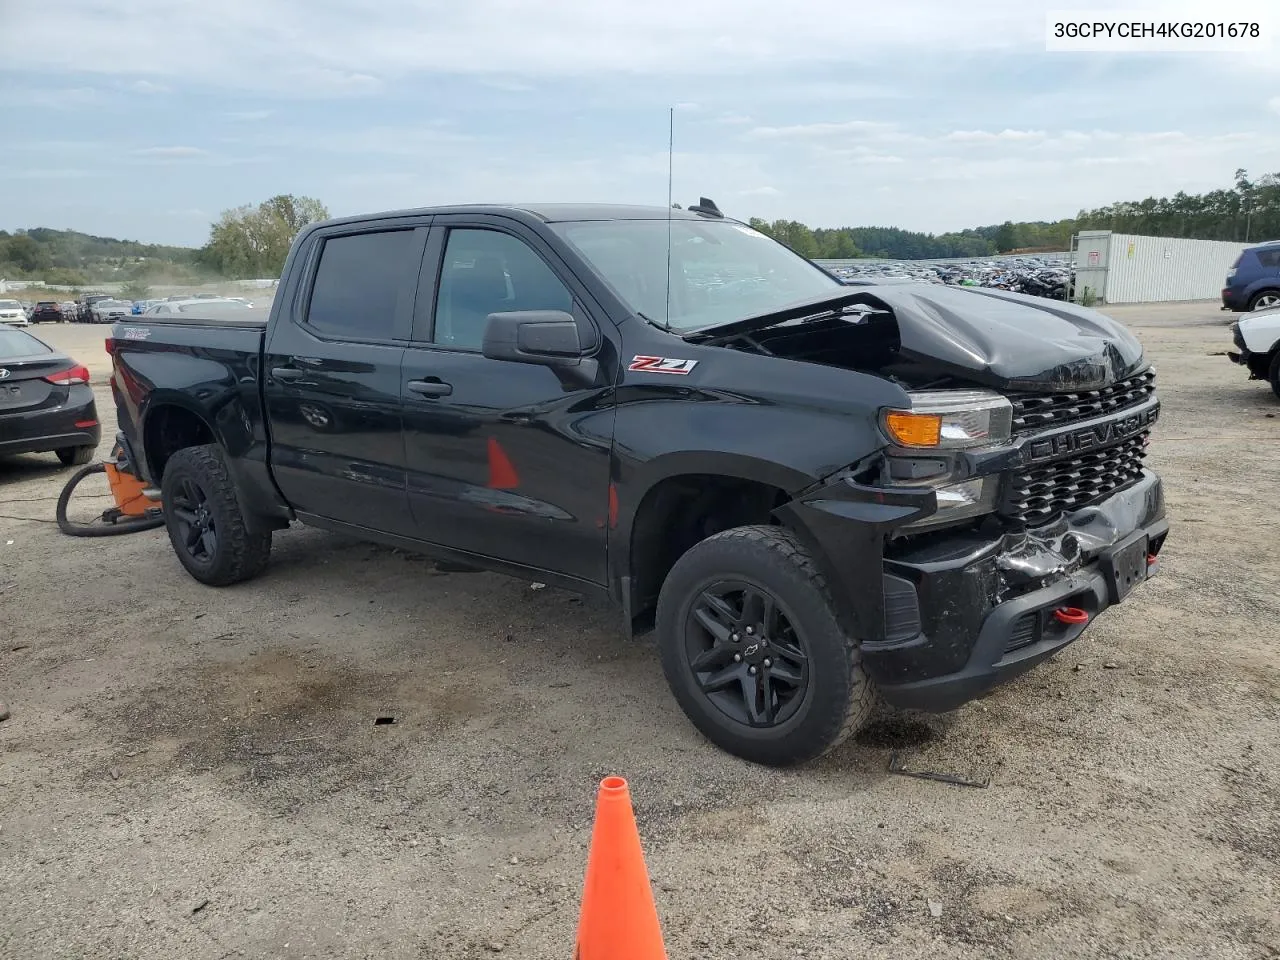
{"x": 662, "y": 365}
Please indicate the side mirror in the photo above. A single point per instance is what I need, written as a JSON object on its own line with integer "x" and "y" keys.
{"x": 547, "y": 337}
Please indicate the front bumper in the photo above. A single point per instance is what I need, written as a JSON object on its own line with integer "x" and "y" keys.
{"x": 961, "y": 611}
{"x": 966, "y": 614}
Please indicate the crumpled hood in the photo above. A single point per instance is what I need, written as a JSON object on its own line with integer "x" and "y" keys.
{"x": 1009, "y": 340}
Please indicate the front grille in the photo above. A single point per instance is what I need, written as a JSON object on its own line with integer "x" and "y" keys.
{"x": 1040, "y": 411}
{"x": 1037, "y": 495}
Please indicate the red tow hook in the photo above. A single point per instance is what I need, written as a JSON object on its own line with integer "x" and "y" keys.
{"x": 1071, "y": 615}
{"x": 1152, "y": 559}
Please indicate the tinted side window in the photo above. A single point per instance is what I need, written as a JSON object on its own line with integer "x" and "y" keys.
{"x": 1269, "y": 258}
{"x": 488, "y": 272}
{"x": 358, "y": 284}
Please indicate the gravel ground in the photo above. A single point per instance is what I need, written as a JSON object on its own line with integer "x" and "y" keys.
{"x": 193, "y": 773}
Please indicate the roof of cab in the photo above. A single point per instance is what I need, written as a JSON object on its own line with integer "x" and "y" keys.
{"x": 546, "y": 212}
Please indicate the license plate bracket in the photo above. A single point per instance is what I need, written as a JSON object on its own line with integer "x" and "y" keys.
{"x": 1125, "y": 566}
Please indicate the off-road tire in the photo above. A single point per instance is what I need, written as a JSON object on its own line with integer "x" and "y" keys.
{"x": 75, "y": 456}
{"x": 840, "y": 698}
{"x": 239, "y": 555}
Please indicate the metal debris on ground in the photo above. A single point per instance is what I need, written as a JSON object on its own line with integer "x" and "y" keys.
{"x": 895, "y": 767}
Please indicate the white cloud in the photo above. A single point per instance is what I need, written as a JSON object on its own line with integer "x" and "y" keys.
{"x": 984, "y": 136}
{"x": 148, "y": 86}
{"x": 507, "y": 86}
{"x": 238, "y": 42}
{"x": 52, "y": 173}
{"x": 176, "y": 153}
{"x": 848, "y": 129}
{"x": 65, "y": 98}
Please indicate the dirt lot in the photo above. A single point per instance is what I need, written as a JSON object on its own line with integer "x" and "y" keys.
{"x": 192, "y": 773}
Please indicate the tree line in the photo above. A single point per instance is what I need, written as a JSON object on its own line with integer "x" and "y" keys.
{"x": 1248, "y": 211}
{"x": 252, "y": 241}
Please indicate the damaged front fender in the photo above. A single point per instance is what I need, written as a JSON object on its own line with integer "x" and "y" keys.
{"x": 845, "y": 525}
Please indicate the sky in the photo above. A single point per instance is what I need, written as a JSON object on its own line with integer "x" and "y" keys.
{"x": 144, "y": 119}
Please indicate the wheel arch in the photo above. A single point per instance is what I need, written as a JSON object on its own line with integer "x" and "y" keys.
{"x": 172, "y": 422}
{"x": 682, "y": 499}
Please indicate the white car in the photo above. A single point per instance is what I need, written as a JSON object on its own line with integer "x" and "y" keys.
{"x": 1257, "y": 339}
{"x": 12, "y": 313}
{"x": 109, "y": 311}
{"x": 208, "y": 305}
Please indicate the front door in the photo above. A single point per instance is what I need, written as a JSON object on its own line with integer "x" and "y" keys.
{"x": 332, "y": 374}
{"x": 505, "y": 460}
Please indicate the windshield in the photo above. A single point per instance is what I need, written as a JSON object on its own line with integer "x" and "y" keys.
{"x": 10, "y": 305}
{"x": 720, "y": 271}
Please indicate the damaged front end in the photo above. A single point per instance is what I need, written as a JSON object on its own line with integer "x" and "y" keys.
{"x": 998, "y": 521}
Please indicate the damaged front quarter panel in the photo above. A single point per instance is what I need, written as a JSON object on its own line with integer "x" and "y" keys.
{"x": 845, "y": 524}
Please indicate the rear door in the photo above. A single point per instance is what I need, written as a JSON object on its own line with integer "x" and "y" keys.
{"x": 505, "y": 460}
{"x": 24, "y": 393}
{"x": 332, "y": 374}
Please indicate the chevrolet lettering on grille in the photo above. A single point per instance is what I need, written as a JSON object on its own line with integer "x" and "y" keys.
{"x": 1098, "y": 435}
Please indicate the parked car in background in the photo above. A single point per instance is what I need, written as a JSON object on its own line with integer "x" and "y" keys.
{"x": 28, "y": 306}
{"x": 1253, "y": 282}
{"x": 142, "y": 306}
{"x": 109, "y": 311}
{"x": 46, "y": 403}
{"x": 203, "y": 304}
{"x": 12, "y": 314}
{"x": 68, "y": 310}
{"x": 84, "y": 309}
{"x": 48, "y": 311}
{"x": 1257, "y": 339}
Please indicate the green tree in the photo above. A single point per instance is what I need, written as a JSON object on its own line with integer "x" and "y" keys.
{"x": 252, "y": 242}
{"x": 1006, "y": 237}
{"x": 135, "y": 290}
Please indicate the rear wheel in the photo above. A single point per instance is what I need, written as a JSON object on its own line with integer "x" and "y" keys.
{"x": 753, "y": 651}
{"x": 204, "y": 520}
{"x": 75, "y": 456}
{"x": 1264, "y": 299}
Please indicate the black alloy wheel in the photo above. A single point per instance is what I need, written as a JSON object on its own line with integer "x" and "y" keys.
{"x": 746, "y": 654}
{"x": 196, "y": 527}
{"x": 754, "y": 652}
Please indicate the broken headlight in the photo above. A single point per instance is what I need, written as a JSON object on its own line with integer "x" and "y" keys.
{"x": 959, "y": 501}
{"x": 950, "y": 420}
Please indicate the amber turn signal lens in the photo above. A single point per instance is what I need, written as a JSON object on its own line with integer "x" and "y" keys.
{"x": 915, "y": 429}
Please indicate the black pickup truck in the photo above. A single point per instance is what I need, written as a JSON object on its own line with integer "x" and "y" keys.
{"x": 818, "y": 496}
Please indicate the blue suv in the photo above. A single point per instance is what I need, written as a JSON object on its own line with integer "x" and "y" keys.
{"x": 1253, "y": 282}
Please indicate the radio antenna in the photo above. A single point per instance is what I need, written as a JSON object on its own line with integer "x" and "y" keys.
{"x": 671, "y": 143}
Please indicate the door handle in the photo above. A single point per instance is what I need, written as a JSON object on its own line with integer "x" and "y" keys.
{"x": 287, "y": 373}
{"x": 430, "y": 388}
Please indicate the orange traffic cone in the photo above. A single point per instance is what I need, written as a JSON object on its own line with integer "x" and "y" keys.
{"x": 619, "y": 920}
